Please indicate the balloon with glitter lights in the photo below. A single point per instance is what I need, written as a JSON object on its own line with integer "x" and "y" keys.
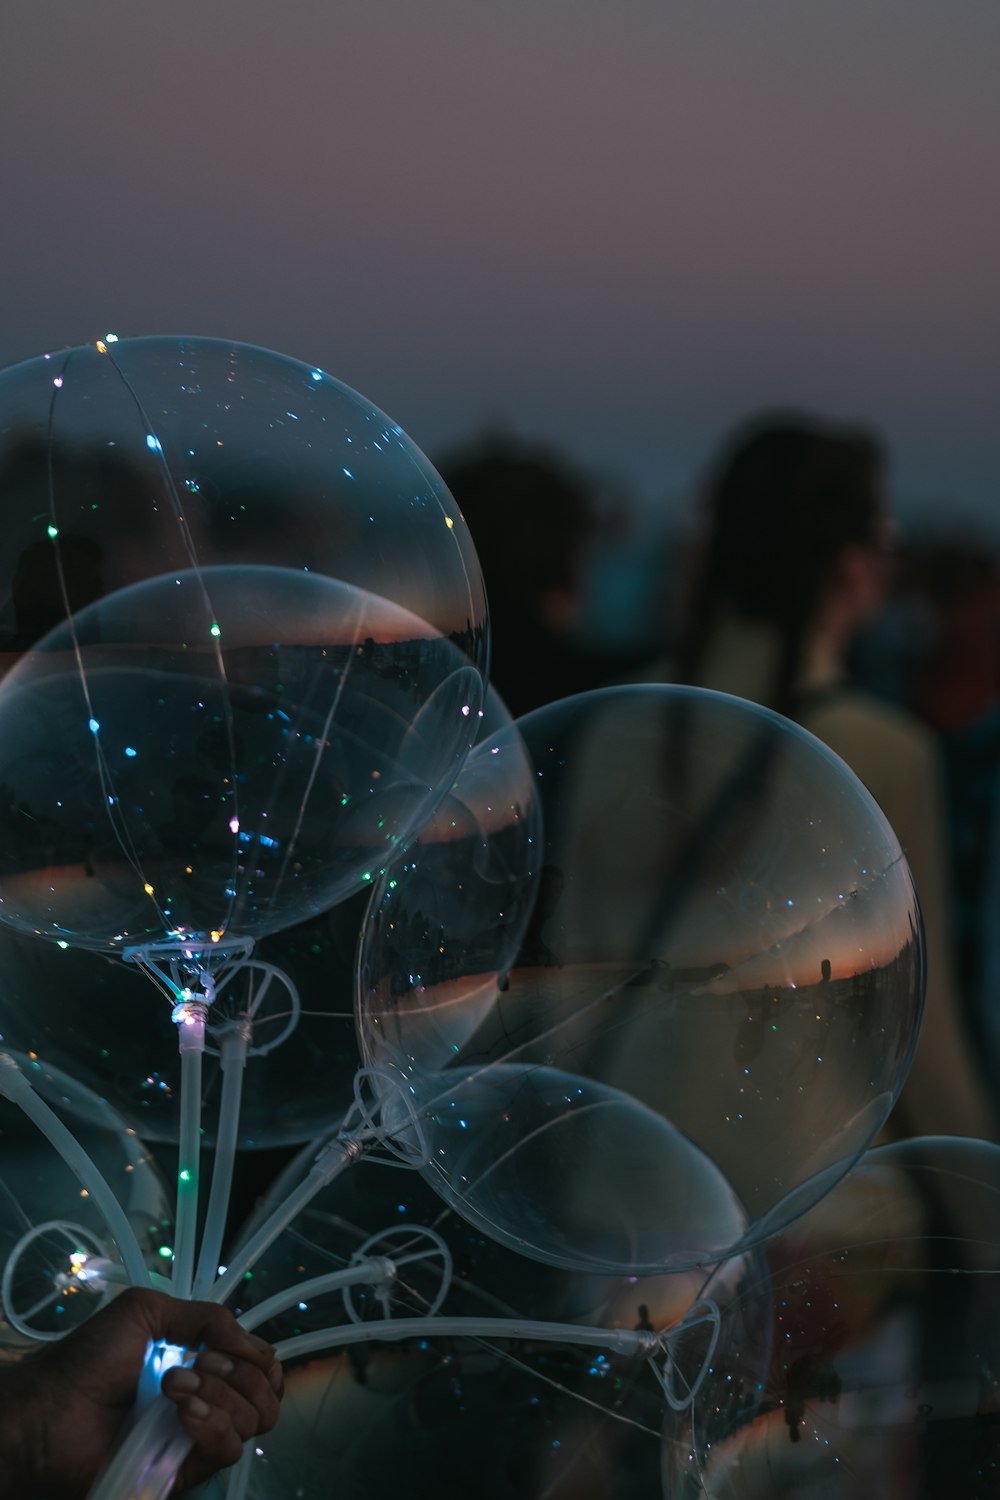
{"x": 227, "y": 749}
{"x": 248, "y": 635}
{"x": 713, "y": 1007}
{"x": 884, "y": 1345}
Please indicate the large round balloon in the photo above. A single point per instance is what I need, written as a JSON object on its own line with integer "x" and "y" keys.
{"x": 221, "y": 751}
{"x": 295, "y": 998}
{"x": 255, "y": 633}
{"x": 713, "y": 1006}
{"x": 882, "y": 1374}
{"x": 58, "y": 1258}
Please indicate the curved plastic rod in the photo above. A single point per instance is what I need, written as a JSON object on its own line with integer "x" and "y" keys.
{"x": 118, "y": 1276}
{"x": 239, "y": 1475}
{"x": 161, "y": 1476}
{"x": 328, "y": 1165}
{"x": 155, "y": 1432}
{"x": 233, "y": 1052}
{"x": 375, "y": 1272}
{"x": 188, "y": 1158}
{"x": 17, "y": 1088}
{"x": 387, "y": 1330}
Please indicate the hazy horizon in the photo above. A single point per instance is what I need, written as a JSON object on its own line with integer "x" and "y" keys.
{"x": 618, "y": 229}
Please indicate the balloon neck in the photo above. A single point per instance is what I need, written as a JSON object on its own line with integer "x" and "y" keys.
{"x": 689, "y": 1350}
{"x": 189, "y": 1016}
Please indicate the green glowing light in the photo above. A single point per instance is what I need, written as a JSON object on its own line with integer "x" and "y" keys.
{"x": 53, "y": 531}
{"x": 215, "y": 630}
{"x": 185, "y": 1175}
{"x": 166, "y": 1252}
{"x": 61, "y": 944}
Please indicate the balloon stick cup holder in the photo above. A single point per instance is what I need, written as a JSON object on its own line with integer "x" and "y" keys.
{"x": 178, "y": 963}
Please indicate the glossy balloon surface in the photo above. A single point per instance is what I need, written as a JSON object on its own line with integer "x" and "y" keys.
{"x": 239, "y": 597}
{"x": 133, "y": 459}
{"x": 723, "y": 959}
{"x": 220, "y": 751}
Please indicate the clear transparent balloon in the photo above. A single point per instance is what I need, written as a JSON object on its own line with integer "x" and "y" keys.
{"x": 96, "y": 1018}
{"x": 883, "y": 1345}
{"x": 224, "y": 750}
{"x": 245, "y": 637}
{"x": 518, "y": 1417}
{"x": 723, "y": 963}
{"x": 58, "y": 1259}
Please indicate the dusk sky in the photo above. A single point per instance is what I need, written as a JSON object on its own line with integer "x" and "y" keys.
{"x": 617, "y": 226}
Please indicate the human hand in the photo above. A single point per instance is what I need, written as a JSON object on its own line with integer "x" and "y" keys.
{"x": 62, "y": 1409}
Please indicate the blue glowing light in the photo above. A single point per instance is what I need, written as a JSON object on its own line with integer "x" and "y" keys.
{"x": 153, "y": 443}
{"x": 93, "y": 725}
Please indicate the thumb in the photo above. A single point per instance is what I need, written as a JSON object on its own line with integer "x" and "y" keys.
{"x": 191, "y": 1324}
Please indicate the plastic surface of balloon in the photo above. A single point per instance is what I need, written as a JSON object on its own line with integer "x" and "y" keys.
{"x": 137, "y": 458}
{"x": 714, "y": 1002}
{"x": 883, "y": 1367}
{"x": 251, "y": 632}
{"x": 58, "y": 1260}
{"x": 224, "y": 750}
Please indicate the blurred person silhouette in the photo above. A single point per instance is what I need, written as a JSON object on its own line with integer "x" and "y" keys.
{"x": 63, "y": 1410}
{"x": 794, "y": 556}
{"x": 533, "y": 520}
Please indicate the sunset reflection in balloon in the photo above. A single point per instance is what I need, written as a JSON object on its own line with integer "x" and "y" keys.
{"x": 881, "y": 1358}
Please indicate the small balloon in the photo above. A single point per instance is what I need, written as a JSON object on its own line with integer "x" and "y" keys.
{"x": 520, "y": 1418}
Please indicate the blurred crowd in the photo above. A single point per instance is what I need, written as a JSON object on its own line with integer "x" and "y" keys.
{"x": 793, "y": 583}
